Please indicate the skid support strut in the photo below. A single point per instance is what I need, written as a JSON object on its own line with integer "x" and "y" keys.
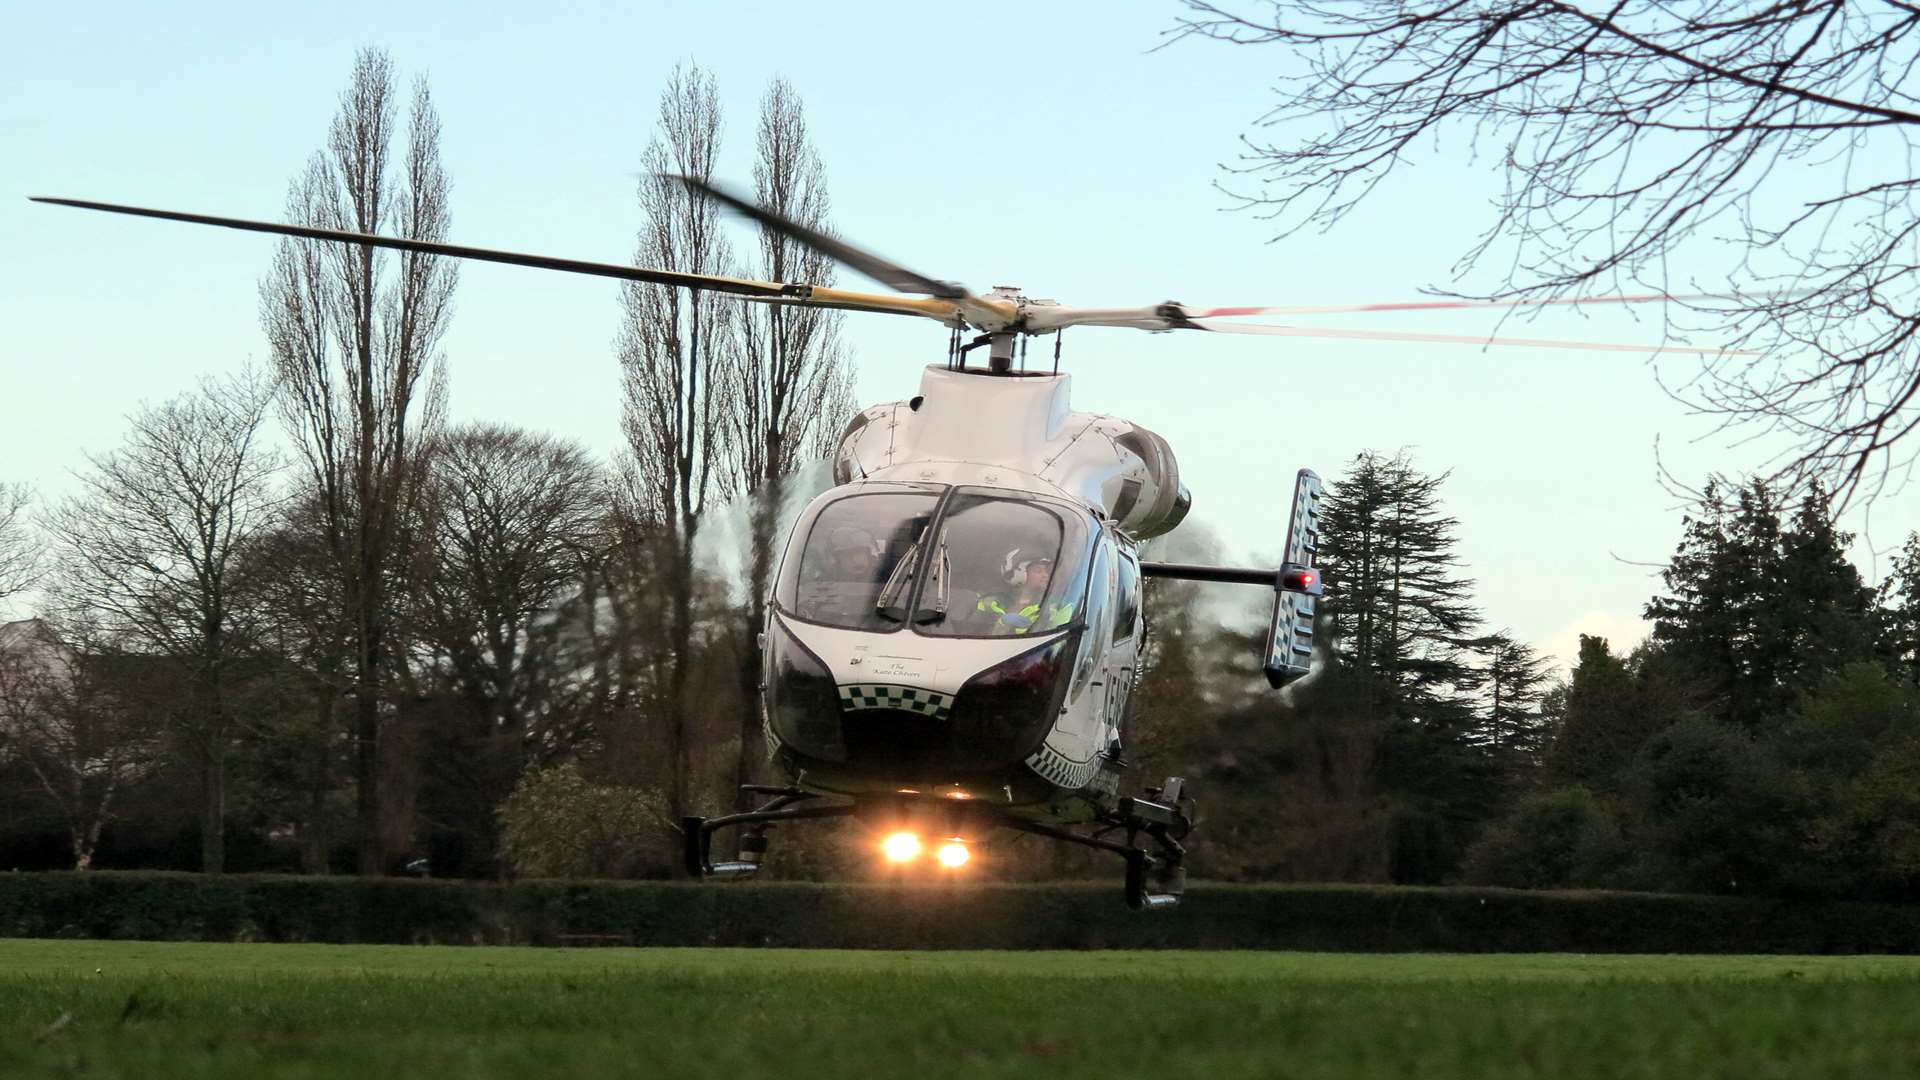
{"x": 1155, "y": 879}
{"x": 696, "y": 833}
{"x": 1155, "y": 824}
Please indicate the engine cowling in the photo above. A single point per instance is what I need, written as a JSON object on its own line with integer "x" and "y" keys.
{"x": 1018, "y": 431}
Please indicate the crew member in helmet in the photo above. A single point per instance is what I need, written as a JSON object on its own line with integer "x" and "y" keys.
{"x": 842, "y": 577}
{"x": 853, "y": 555}
{"x": 1021, "y": 610}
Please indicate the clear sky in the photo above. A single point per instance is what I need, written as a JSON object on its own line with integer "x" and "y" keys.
{"x": 1047, "y": 146}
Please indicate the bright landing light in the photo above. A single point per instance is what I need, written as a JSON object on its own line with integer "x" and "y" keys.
{"x": 900, "y": 847}
{"x": 952, "y": 854}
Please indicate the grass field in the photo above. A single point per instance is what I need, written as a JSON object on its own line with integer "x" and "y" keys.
{"x": 92, "y": 1008}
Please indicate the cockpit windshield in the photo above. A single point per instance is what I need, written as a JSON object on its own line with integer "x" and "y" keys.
{"x": 1009, "y": 566}
{"x": 994, "y": 564}
{"x": 855, "y": 569}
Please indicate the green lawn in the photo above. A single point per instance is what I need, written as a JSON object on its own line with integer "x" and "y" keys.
{"x": 97, "y": 1008}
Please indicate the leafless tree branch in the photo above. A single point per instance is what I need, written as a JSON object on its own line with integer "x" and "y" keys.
{"x": 1768, "y": 145}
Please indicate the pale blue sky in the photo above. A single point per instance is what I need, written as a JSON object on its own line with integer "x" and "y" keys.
{"x": 1045, "y": 146}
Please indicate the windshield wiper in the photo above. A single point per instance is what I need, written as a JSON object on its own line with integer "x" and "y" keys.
{"x": 892, "y": 601}
{"x": 942, "y": 572}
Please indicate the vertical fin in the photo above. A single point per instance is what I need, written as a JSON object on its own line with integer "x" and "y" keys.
{"x": 1290, "y": 639}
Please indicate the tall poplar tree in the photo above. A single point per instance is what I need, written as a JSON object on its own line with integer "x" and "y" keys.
{"x": 355, "y": 332}
{"x": 676, "y": 347}
{"x": 789, "y": 388}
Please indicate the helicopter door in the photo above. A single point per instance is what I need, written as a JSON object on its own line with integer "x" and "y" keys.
{"x": 1125, "y": 655}
{"x": 1088, "y": 697}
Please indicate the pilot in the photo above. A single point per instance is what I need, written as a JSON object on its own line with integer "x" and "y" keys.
{"x": 853, "y": 555}
{"x": 1019, "y": 611}
{"x": 842, "y": 577}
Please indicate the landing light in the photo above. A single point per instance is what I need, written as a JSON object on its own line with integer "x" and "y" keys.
{"x": 953, "y": 854}
{"x": 900, "y": 847}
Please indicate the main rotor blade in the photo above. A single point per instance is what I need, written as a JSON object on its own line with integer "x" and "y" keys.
{"x": 1441, "y": 305}
{"x": 888, "y": 273}
{"x": 943, "y": 311}
{"x": 714, "y": 282}
{"x": 1218, "y": 326}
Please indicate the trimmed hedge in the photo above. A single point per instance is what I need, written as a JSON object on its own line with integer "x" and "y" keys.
{"x": 195, "y": 907}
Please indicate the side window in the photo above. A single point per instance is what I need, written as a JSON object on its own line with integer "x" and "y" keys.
{"x": 1126, "y": 606}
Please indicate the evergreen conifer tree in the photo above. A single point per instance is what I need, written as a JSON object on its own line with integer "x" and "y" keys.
{"x": 1403, "y": 628}
{"x": 1602, "y": 723}
{"x": 1400, "y": 615}
{"x": 1516, "y": 678}
{"x": 1900, "y": 612}
{"x": 1759, "y": 612}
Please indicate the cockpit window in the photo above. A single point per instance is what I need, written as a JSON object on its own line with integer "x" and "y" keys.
{"x": 856, "y": 564}
{"x": 1002, "y": 567}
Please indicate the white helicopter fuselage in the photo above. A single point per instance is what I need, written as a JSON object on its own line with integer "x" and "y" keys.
{"x": 945, "y": 695}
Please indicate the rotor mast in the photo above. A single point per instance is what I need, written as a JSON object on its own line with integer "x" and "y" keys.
{"x": 1000, "y": 352}
{"x": 1002, "y": 339}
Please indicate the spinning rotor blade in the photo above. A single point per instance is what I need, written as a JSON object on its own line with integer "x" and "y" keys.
{"x": 943, "y": 302}
{"x": 942, "y": 311}
{"x": 1218, "y": 326}
{"x": 1171, "y": 316}
{"x": 891, "y": 274}
{"x": 713, "y": 282}
{"x": 1441, "y": 305}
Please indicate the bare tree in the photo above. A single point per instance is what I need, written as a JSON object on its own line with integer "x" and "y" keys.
{"x": 515, "y": 518}
{"x": 790, "y": 387}
{"x": 84, "y": 718}
{"x": 1636, "y": 138}
{"x": 675, "y": 351}
{"x": 19, "y": 555}
{"x": 355, "y": 338}
{"x": 149, "y": 548}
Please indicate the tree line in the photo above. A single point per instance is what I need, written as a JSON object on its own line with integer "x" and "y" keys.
{"x": 1764, "y": 740}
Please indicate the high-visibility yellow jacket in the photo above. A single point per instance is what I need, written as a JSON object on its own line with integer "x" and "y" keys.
{"x": 1022, "y": 620}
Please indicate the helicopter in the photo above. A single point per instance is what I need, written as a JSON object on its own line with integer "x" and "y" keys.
{"x": 955, "y": 628}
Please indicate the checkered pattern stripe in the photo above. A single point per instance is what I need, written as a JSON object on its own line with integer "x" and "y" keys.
{"x": 857, "y": 696}
{"x": 1061, "y": 772}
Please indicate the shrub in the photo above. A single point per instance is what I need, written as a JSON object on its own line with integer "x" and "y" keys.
{"x": 558, "y": 824}
{"x": 1712, "y": 811}
{"x": 1551, "y": 840}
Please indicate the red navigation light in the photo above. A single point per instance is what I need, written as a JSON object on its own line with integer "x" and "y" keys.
{"x": 1300, "y": 579}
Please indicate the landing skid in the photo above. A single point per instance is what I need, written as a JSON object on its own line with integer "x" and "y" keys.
{"x": 1155, "y": 878}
